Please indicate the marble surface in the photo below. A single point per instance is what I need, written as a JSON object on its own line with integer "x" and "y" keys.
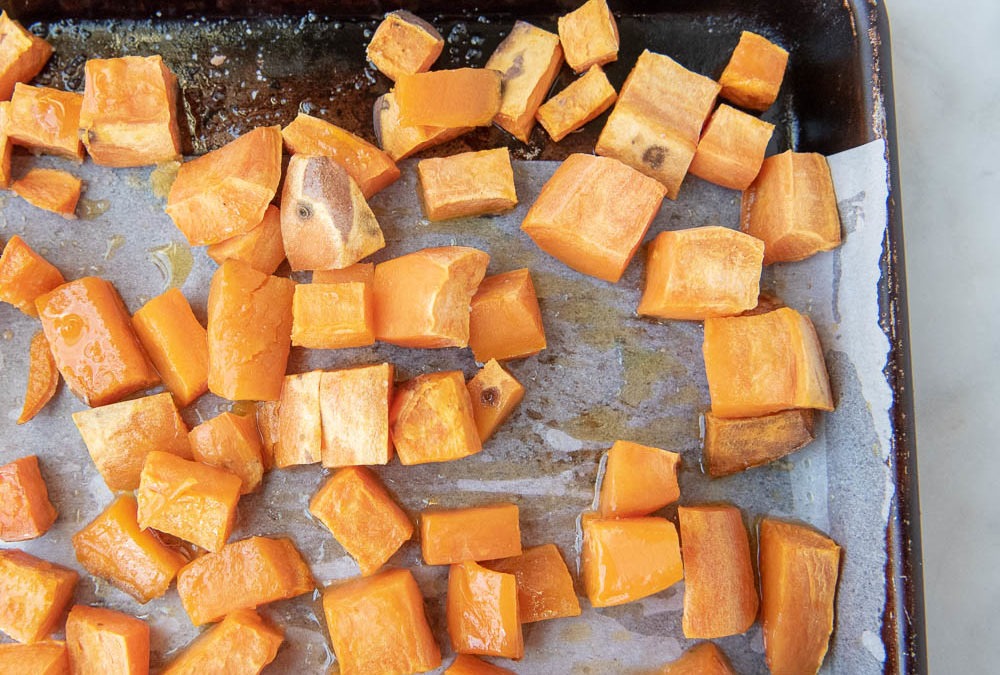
{"x": 947, "y": 86}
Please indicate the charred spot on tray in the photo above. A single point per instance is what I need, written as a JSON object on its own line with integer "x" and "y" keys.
{"x": 654, "y": 156}
{"x": 305, "y": 211}
{"x": 490, "y": 396}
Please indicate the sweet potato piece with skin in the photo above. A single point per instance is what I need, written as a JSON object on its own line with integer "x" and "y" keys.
{"x": 391, "y": 600}
{"x": 475, "y": 533}
{"x": 753, "y": 76}
{"x": 261, "y": 247}
{"x": 589, "y": 35}
{"x": 573, "y": 220}
{"x": 544, "y": 585}
{"x": 494, "y": 394}
{"x": 358, "y": 272}
{"x": 41, "y": 658}
{"x": 638, "y": 480}
{"x": 22, "y": 55}
{"x": 483, "y": 612}
{"x": 731, "y": 148}
{"x": 404, "y": 43}
{"x": 468, "y": 184}
{"x": 505, "y": 321}
{"x": 43, "y": 378}
{"x": 104, "y": 641}
{"x": 354, "y": 410}
{"x": 300, "y": 430}
{"x": 241, "y": 644}
{"x": 33, "y": 595}
{"x": 6, "y": 146}
{"x": 734, "y": 445}
{"x": 45, "y": 120}
{"x": 463, "y": 97}
{"x": 582, "y": 101}
{"x": 25, "y": 275}
{"x": 431, "y": 419}
{"x": 51, "y": 190}
{"x": 799, "y": 568}
{"x": 267, "y": 426}
{"x": 400, "y": 140}
{"x": 464, "y": 664}
{"x": 243, "y": 575}
{"x": 231, "y": 442}
{"x": 702, "y": 659}
{"x": 333, "y": 316}
{"x": 25, "y": 509}
{"x": 422, "y": 299}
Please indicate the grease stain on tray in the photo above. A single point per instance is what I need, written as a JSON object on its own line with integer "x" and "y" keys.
{"x": 90, "y": 209}
{"x": 174, "y": 260}
{"x": 115, "y": 242}
{"x": 162, "y": 178}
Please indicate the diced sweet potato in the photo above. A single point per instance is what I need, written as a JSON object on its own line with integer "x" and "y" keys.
{"x": 261, "y": 247}
{"x": 638, "y": 480}
{"x": 370, "y": 168}
{"x": 231, "y": 442}
{"x": 243, "y": 575}
{"x": 33, "y": 594}
{"x": 544, "y": 585}
{"x": 468, "y": 184}
{"x": 761, "y": 364}
{"x": 475, "y": 533}
{"x": 24, "y": 275}
{"x": 22, "y": 55}
{"x": 176, "y": 344}
{"x": 249, "y": 332}
{"x": 574, "y": 221}
{"x": 360, "y": 272}
{"x": 792, "y": 207}
{"x": 300, "y": 429}
{"x": 40, "y": 658}
{"x": 362, "y": 516}
{"x": 494, "y": 394}
{"x": 589, "y": 35}
{"x": 431, "y": 419}
{"x": 50, "y": 189}
{"x": 102, "y": 641}
{"x": 464, "y": 664}
{"x": 463, "y": 97}
{"x": 333, "y": 316}
{"x": 528, "y": 60}
{"x": 483, "y": 613}
{"x": 400, "y": 140}
{"x": 25, "y": 509}
{"x": 702, "y": 659}
{"x": 391, "y": 601}
{"x": 798, "y": 582}
{"x": 267, "y": 425}
{"x": 43, "y": 378}
{"x": 422, "y": 298}
{"x": 45, "y": 120}
{"x": 241, "y": 644}
{"x": 731, "y": 148}
{"x": 404, "y": 43}
{"x": 627, "y": 559}
{"x": 6, "y": 146}
{"x": 733, "y": 445}
{"x": 354, "y": 409}
{"x": 720, "y": 596}
{"x": 583, "y": 100}
{"x": 754, "y": 73}
{"x": 190, "y": 500}
{"x": 701, "y": 272}
{"x": 505, "y": 321}
{"x": 121, "y": 435}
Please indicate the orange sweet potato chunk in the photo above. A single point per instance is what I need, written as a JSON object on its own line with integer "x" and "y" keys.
{"x": 362, "y": 516}
{"x": 333, "y": 316}
{"x": 300, "y": 428}
{"x": 574, "y": 221}
{"x": 798, "y": 583}
{"x": 544, "y": 585}
{"x": 50, "y": 189}
{"x": 249, "y": 332}
{"x": 231, "y": 442}
{"x": 464, "y": 664}
{"x": 267, "y": 426}
{"x": 583, "y": 100}
{"x": 104, "y": 641}
{"x": 354, "y": 411}
{"x": 404, "y": 43}
{"x": 638, "y": 480}
{"x": 720, "y": 596}
{"x": 702, "y": 659}
{"x": 91, "y": 336}
{"x": 40, "y": 658}
{"x": 121, "y": 435}
{"x": 483, "y": 613}
{"x": 589, "y": 35}
{"x": 241, "y": 644}
{"x": 762, "y": 364}
{"x": 22, "y": 55}
{"x": 731, "y": 149}
{"x": 400, "y": 140}
{"x": 261, "y": 247}
{"x": 474, "y": 533}
{"x": 467, "y": 184}
{"x": 422, "y": 298}
{"x": 463, "y": 97}
{"x": 754, "y": 73}
{"x": 6, "y": 147}
{"x": 243, "y": 575}
{"x": 494, "y": 394}
{"x": 43, "y": 378}
{"x": 24, "y": 275}
{"x": 505, "y": 321}
{"x": 25, "y": 509}
{"x": 391, "y": 601}
{"x": 33, "y": 595}
{"x": 176, "y": 344}
{"x": 431, "y": 419}
{"x": 628, "y": 559}
{"x": 46, "y": 120}
{"x": 734, "y": 445}
{"x": 360, "y": 272}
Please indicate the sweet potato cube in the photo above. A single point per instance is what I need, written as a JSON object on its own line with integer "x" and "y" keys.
{"x": 391, "y": 601}
{"x": 734, "y": 445}
{"x": 464, "y": 664}
{"x": 731, "y": 148}
{"x": 120, "y": 436}
{"x": 241, "y": 644}
{"x": 544, "y": 586}
{"x": 583, "y": 100}
{"x": 483, "y": 613}
{"x": 463, "y": 97}
{"x": 475, "y": 533}
{"x": 761, "y": 364}
{"x": 300, "y": 429}
{"x": 701, "y": 272}
{"x": 231, "y": 442}
{"x": 589, "y": 35}
{"x": 431, "y": 419}
{"x": 249, "y": 332}
{"x": 638, "y": 480}
{"x": 628, "y": 559}
{"x": 226, "y": 192}
{"x": 370, "y": 168}
{"x": 359, "y": 272}
{"x": 50, "y": 189}
{"x": 798, "y": 582}
{"x": 45, "y": 120}
{"x": 22, "y": 55}
{"x": 422, "y": 298}
{"x": 505, "y": 321}
{"x": 792, "y": 207}
{"x": 104, "y": 641}
{"x": 33, "y": 594}
{"x": 333, "y": 316}
{"x": 362, "y": 516}
{"x": 261, "y": 247}
{"x": 400, "y": 140}
{"x": 494, "y": 394}
{"x": 702, "y": 659}
{"x": 243, "y": 575}
{"x": 40, "y": 658}
{"x": 404, "y": 43}
{"x": 574, "y": 221}
{"x": 6, "y": 146}
{"x": 754, "y": 73}
{"x": 25, "y": 509}
{"x": 354, "y": 409}
{"x": 528, "y": 60}
{"x": 176, "y": 344}
{"x": 190, "y": 500}
{"x": 267, "y": 426}
{"x": 43, "y": 378}
{"x": 113, "y": 547}
{"x": 720, "y": 596}
{"x": 24, "y": 275}
{"x": 469, "y": 184}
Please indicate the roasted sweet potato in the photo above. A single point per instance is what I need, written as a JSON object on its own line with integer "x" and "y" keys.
{"x": 431, "y": 419}
{"x": 468, "y": 184}
{"x": 505, "y": 321}
{"x": 753, "y": 76}
{"x": 580, "y": 102}
{"x": 358, "y": 272}
{"x": 464, "y": 664}
{"x": 463, "y": 97}
{"x": 45, "y": 120}
{"x": 731, "y": 148}
{"x": 267, "y": 425}
{"x": 483, "y": 614}
{"x": 43, "y": 378}
{"x": 22, "y": 55}
{"x": 6, "y": 146}
{"x": 475, "y": 533}
{"x": 333, "y": 316}
{"x": 702, "y": 659}
{"x": 40, "y": 658}
{"x": 404, "y": 43}
{"x": 50, "y": 189}
{"x": 33, "y": 595}
{"x": 589, "y": 35}
{"x": 638, "y": 480}
{"x": 24, "y": 275}
{"x": 544, "y": 585}
{"x": 261, "y": 247}
{"x": 494, "y": 394}
{"x": 300, "y": 428}
{"x": 400, "y": 140}
{"x": 354, "y": 410}
{"x": 25, "y": 509}
{"x": 231, "y": 442}
{"x": 241, "y": 644}
{"x": 102, "y": 641}
{"x": 733, "y": 445}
